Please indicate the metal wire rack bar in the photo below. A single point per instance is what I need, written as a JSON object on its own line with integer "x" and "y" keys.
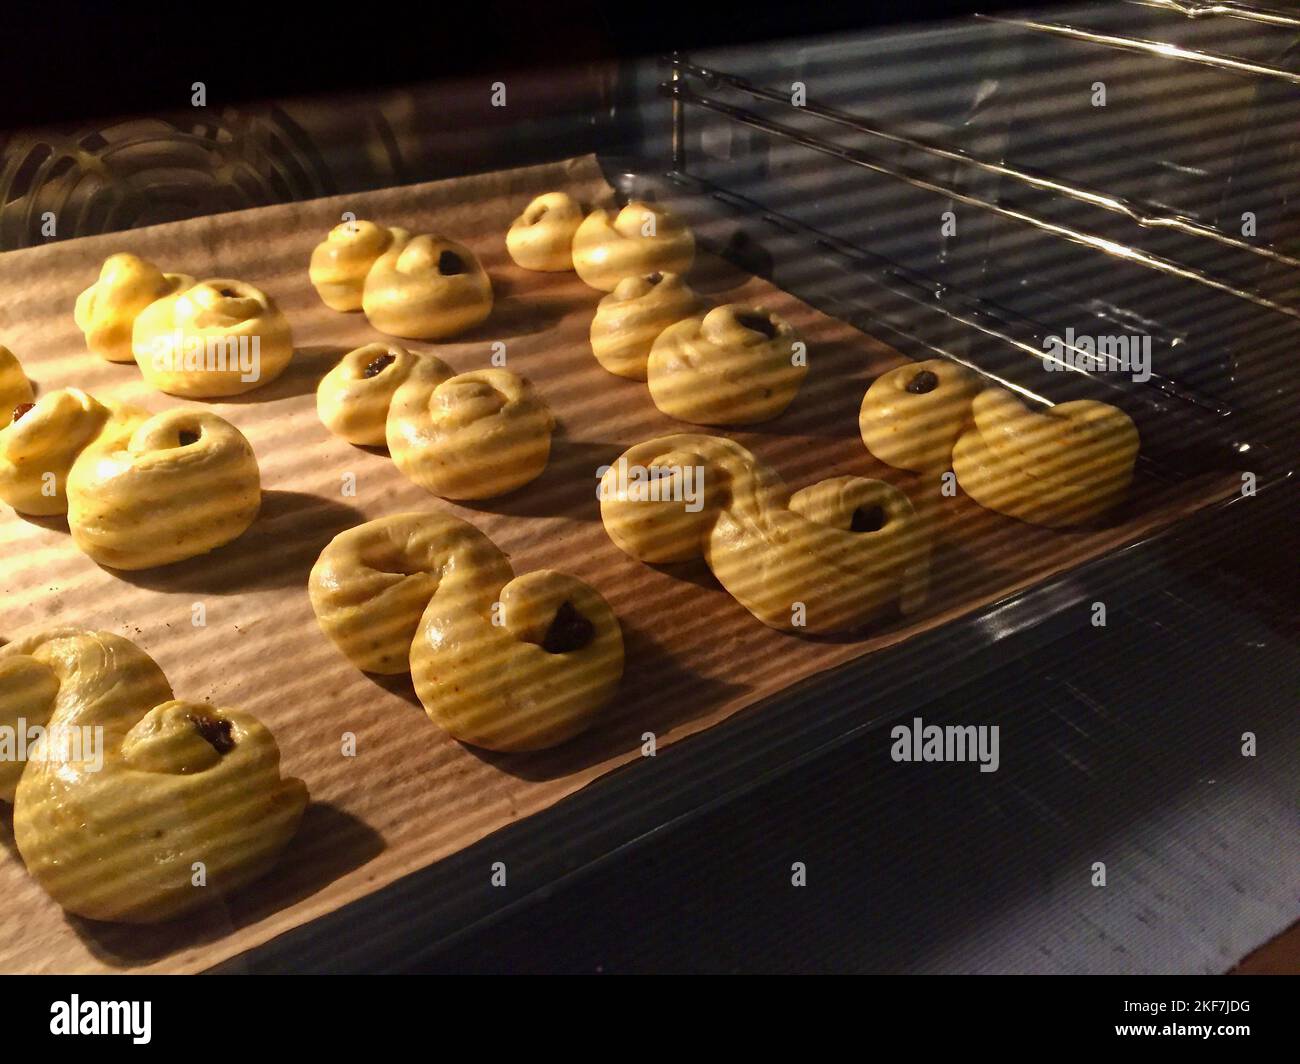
{"x": 680, "y": 94}
{"x": 1145, "y": 215}
{"x": 1159, "y": 48}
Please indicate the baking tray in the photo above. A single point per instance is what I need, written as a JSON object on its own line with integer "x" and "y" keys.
{"x": 411, "y": 796}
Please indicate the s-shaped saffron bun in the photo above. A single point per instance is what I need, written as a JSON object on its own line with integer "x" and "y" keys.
{"x": 184, "y": 483}
{"x": 472, "y": 436}
{"x": 354, "y": 398}
{"x": 737, "y": 365}
{"x": 501, "y": 661}
{"x": 641, "y": 240}
{"x": 912, "y": 415}
{"x": 15, "y": 389}
{"x": 542, "y": 237}
{"x": 1061, "y": 467}
{"x": 39, "y": 448}
{"x": 215, "y": 338}
{"x": 630, "y": 319}
{"x": 340, "y": 262}
{"x": 429, "y": 288}
{"x": 112, "y": 826}
{"x": 829, "y": 558}
{"x": 106, "y": 311}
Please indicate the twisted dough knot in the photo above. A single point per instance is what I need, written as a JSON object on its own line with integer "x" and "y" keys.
{"x": 630, "y": 319}
{"x": 106, "y": 311}
{"x": 503, "y": 662}
{"x": 1061, "y": 467}
{"x": 845, "y": 548}
{"x": 472, "y": 436}
{"x": 429, "y": 288}
{"x": 184, "y": 483}
{"x": 353, "y": 399}
{"x": 340, "y": 262}
{"x": 737, "y": 365}
{"x": 128, "y": 788}
{"x": 215, "y": 338}
{"x": 38, "y": 449}
{"x": 541, "y": 238}
{"x": 642, "y": 239}
{"x": 912, "y": 415}
{"x": 16, "y": 394}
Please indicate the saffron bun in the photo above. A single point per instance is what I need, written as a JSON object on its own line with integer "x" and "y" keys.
{"x": 353, "y": 399}
{"x": 1061, "y": 467}
{"x": 829, "y": 558}
{"x": 176, "y": 784}
{"x": 912, "y": 415}
{"x": 216, "y": 338}
{"x": 476, "y": 435}
{"x": 15, "y": 389}
{"x": 37, "y": 451}
{"x": 184, "y": 483}
{"x": 736, "y": 365}
{"x": 630, "y": 319}
{"x": 429, "y": 288}
{"x": 106, "y": 311}
{"x": 541, "y": 238}
{"x": 504, "y": 662}
{"x": 340, "y": 262}
{"x": 641, "y": 239}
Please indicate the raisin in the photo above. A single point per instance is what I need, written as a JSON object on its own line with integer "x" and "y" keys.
{"x": 570, "y": 630}
{"x": 654, "y": 278}
{"x": 377, "y": 366}
{"x": 867, "y": 519}
{"x": 923, "y": 382}
{"x": 216, "y": 731}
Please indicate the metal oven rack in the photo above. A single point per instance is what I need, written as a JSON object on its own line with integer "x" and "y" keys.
{"x": 1222, "y": 307}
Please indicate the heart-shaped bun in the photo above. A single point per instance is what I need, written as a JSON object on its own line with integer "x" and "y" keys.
{"x": 1061, "y": 467}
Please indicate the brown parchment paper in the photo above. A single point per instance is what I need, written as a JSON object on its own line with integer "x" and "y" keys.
{"x": 411, "y": 795}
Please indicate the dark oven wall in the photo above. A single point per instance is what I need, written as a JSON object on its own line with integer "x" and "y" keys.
{"x": 106, "y": 175}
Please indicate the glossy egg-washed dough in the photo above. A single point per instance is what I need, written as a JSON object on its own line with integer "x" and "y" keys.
{"x": 181, "y": 783}
{"x": 630, "y": 319}
{"x": 140, "y": 490}
{"x": 15, "y": 389}
{"x": 736, "y": 365}
{"x": 106, "y": 311}
{"x": 829, "y": 558}
{"x": 340, "y": 262}
{"x": 428, "y": 288}
{"x": 353, "y": 399}
{"x": 541, "y": 238}
{"x": 471, "y": 435}
{"x": 641, "y": 239}
{"x": 500, "y": 661}
{"x": 475, "y": 435}
{"x": 217, "y": 338}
